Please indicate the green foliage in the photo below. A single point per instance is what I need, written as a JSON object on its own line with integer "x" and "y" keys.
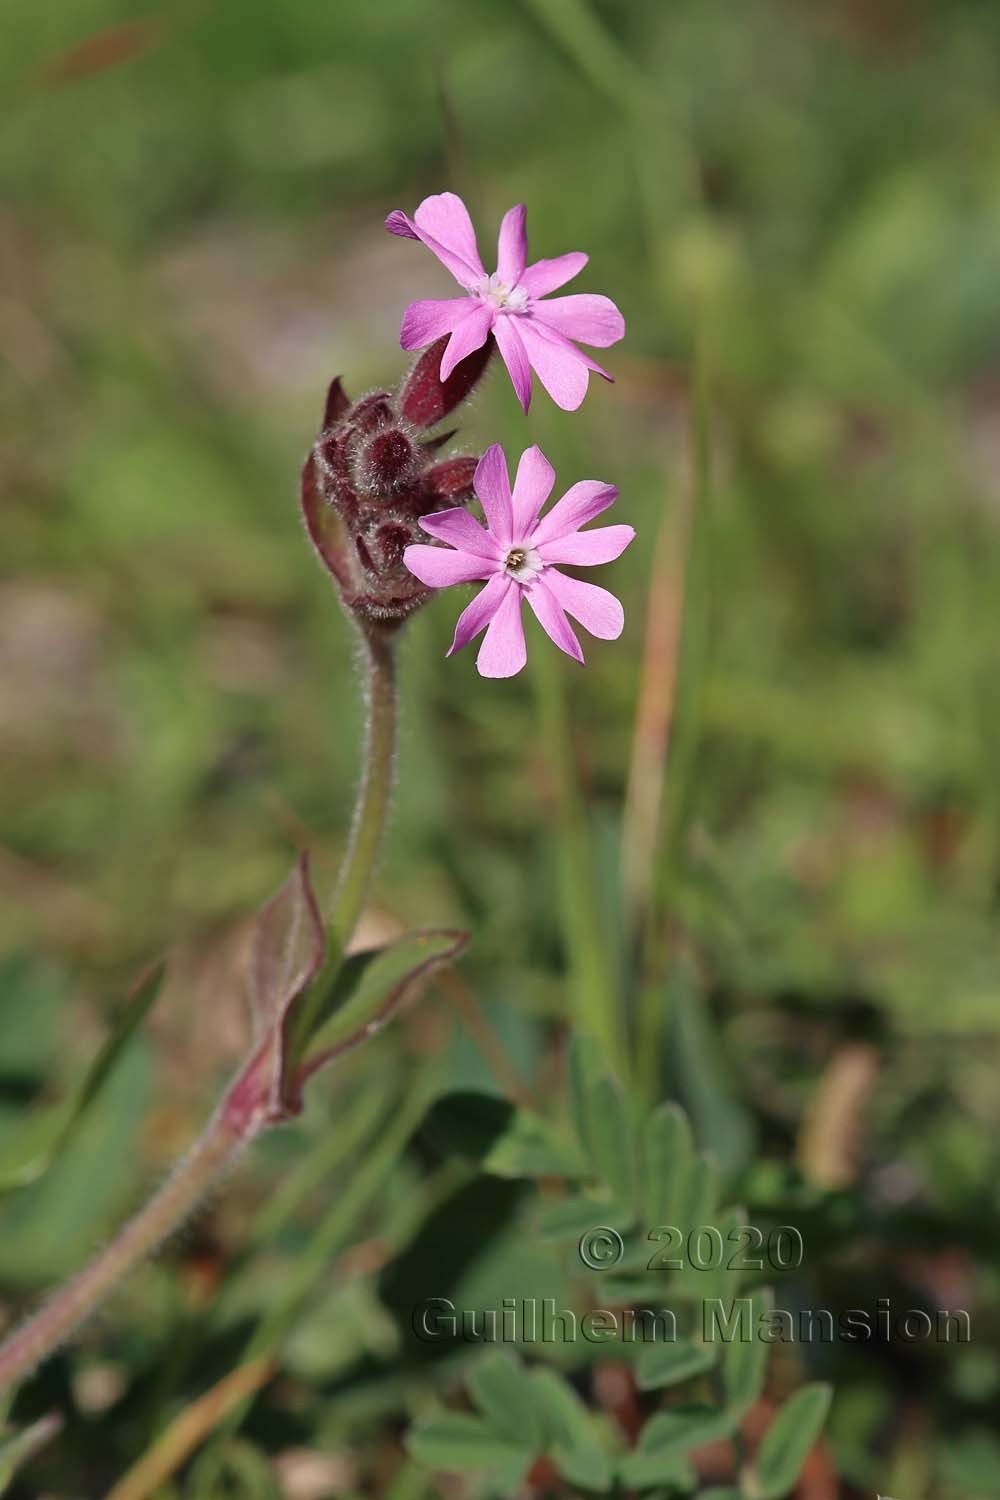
{"x": 787, "y": 1442}
{"x": 798, "y": 209}
{"x": 31, "y": 1150}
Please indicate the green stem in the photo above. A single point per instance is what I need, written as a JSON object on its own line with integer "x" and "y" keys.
{"x": 371, "y": 814}
{"x": 598, "y": 1009}
{"x": 378, "y": 772}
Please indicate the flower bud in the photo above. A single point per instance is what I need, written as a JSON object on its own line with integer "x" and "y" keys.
{"x": 425, "y": 399}
{"x": 371, "y": 475}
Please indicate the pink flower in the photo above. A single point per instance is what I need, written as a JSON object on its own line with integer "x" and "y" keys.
{"x": 532, "y": 332}
{"x": 517, "y": 555}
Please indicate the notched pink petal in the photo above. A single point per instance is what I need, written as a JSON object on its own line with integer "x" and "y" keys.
{"x": 444, "y": 218}
{"x": 503, "y": 652}
{"x": 423, "y": 322}
{"x": 439, "y": 567}
{"x": 591, "y": 320}
{"x": 513, "y": 354}
{"x": 512, "y": 245}
{"x": 552, "y": 617}
{"x": 588, "y": 548}
{"x": 580, "y": 504}
{"x": 548, "y": 275}
{"x": 478, "y": 614}
{"x": 460, "y": 530}
{"x": 469, "y": 334}
{"x": 595, "y": 608}
{"x": 532, "y": 487}
{"x": 492, "y": 485}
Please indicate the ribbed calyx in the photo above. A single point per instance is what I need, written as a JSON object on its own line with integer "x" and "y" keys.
{"x": 373, "y": 471}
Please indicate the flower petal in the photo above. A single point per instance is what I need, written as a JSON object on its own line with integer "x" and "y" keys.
{"x": 562, "y": 370}
{"x": 461, "y": 531}
{"x": 592, "y": 320}
{"x": 512, "y": 245}
{"x": 580, "y": 504}
{"x": 478, "y": 614}
{"x": 548, "y": 275}
{"x": 445, "y": 219}
{"x": 423, "y": 322}
{"x": 439, "y": 567}
{"x": 514, "y": 357}
{"x": 492, "y": 485}
{"x": 532, "y": 487}
{"x": 560, "y": 341}
{"x": 469, "y": 334}
{"x": 597, "y": 610}
{"x": 552, "y": 617}
{"x": 503, "y": 652}
{"x": 586, "y": 548}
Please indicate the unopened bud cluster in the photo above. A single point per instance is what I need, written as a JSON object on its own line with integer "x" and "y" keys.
{"x": 374, "y": 471}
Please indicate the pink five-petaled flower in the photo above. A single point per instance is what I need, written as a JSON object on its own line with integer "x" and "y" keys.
{"x": 531, "y": 332}
{"x": 517, "y": 555}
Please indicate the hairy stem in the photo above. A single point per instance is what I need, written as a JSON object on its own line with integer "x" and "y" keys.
{"x": 239, "y": 1117}
{"x": 378, "y": 770}
{"x": 371, "y": 814}
{"x": 192, "y": 1178}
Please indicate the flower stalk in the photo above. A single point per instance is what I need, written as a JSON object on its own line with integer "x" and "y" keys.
{"x": 197, "y": 1173}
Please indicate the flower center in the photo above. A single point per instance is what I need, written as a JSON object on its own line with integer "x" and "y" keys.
{"x": 522, "y": 564}
{"x": 501, "y": 295}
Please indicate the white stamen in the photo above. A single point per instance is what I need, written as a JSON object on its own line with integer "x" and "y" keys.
{"x": 523, "y": 564}
{"x": 501, "y": 295}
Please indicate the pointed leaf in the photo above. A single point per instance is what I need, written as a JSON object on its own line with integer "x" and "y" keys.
{"x": 288, "y": 951}
{"x": 40, "y": 1141}
{"x": 700, "y": 1078}
{"x": 17, "y": 1448}
{"x": 375, "y": 985}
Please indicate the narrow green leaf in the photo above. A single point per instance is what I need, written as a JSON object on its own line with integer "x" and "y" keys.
{"x": 17, "y": 1448}
{"x": 668, "y": 1364}
{"x": 458, "y": 1441}
{"x": 41, "y": 1140}
{"x": 586, "y": 1069}
{"x": 373, "y": 985}
{"x": 701, "y": 1080}
{"x": 613, "y": 1144}
{"x": 787, "y": 1443}
{"x": 504, "y": 1394}
{"x": 744, "y": 1363}
{"x": 669, "y": 1158}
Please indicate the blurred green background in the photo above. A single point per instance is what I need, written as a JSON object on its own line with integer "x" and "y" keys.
{"x": 803, "y": 202}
